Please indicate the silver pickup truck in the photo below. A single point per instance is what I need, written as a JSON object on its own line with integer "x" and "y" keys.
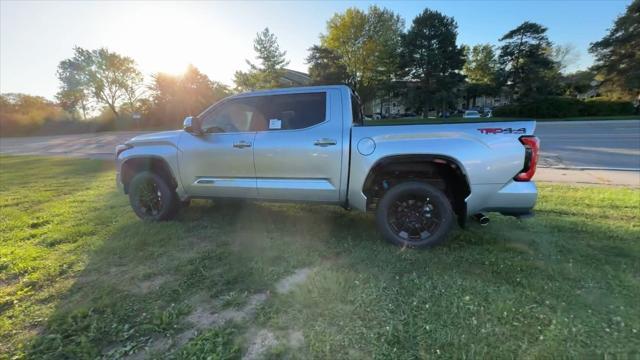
{"x": 312, "y": 144}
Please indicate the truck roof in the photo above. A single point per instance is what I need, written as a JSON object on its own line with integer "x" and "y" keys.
{"x": 289, "y": 90}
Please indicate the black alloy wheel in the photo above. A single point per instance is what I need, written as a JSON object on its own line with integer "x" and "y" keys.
{"x": 151, "y": 197}
{"x": 415, "y": 214}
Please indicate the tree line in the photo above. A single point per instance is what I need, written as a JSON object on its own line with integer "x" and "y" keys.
{"x": 369, "y": 50}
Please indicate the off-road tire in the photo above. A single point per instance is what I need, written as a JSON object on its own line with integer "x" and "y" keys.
{"x": 433, "y": 198}
{"x": 167, "y": 205}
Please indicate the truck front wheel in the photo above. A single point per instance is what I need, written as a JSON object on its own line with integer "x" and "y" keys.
{"x": 151, "y": 197}
{"x": 414, "y": 214}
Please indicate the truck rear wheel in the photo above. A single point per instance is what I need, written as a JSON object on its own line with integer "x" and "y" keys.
{"x": 414, "y": 214}
{"x": 151, "y": 197}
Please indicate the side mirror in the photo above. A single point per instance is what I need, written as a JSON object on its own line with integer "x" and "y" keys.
{"x": 192, "y": 125}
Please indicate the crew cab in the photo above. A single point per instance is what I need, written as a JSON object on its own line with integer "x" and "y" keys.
{"x": 312, "y": 144}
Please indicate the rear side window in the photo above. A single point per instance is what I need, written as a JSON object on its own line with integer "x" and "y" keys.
{"x": 294, "y": 111}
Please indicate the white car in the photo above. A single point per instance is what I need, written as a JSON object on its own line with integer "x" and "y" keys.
{"x": 471, "y": 114}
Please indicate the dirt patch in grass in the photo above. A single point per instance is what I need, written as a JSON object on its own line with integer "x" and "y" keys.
{"x": 202, "y": 317}
{"x": 290, "y": 282}
{"x": 295, "y": 339}
{"x": 148, "y": 285}
{"x": 205, "y": 317}
{"x": 260, "y": 343}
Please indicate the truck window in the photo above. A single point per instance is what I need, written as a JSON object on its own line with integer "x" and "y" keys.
{"x": 239, "y": 115}
{"x": 294, "y": 111}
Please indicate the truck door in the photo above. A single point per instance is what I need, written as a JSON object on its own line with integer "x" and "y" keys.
{"x": 220, "y": 162}
{"x": 298, "y": 156}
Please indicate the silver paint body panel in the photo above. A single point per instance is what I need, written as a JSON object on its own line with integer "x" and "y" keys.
{"x": 213, "y": 156}
{"x": 289, "y": 165}
{"x": 489, "y": 161}
{"x": 322, "y": 163}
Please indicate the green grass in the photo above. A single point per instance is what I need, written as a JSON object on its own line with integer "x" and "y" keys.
{"x": 81, "y": 277}
{"x": 459, "y": 119}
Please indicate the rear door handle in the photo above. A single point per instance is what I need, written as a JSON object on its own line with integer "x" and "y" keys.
{"x": 324, "y": 142}
{"x": 241, "y": 144}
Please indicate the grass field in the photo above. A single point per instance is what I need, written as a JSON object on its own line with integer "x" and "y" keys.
{"x": 460, "y": 119}
{"x": 81, "y": 277}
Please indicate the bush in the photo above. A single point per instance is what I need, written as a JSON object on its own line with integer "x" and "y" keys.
{"x": 22, "y": 114}
{"x": 607, "y": 107}
{"x": 561, "y": 107}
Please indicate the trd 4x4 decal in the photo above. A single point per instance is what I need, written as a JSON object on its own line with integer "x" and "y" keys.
{"x": 502, "y": 131}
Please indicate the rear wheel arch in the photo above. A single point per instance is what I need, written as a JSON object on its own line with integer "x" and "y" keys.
{"x": 153, "y": 164}
{"x": 443, "y": 172}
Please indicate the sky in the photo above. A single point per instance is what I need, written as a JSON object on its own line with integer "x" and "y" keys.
{"x": 217, "y": 36}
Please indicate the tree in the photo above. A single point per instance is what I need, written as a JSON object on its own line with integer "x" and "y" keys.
{"x": 269, "y": 71}
{"x": 74, "y": 95}
{"x": 618, "y": 54}
{"x": 326, "y": 67}
{"x": 174, "y": 97}
{"x": 564, "y": 56}
{"x": 481, "y": 70}
{"x": 578, "y": 82}
{"x": 433, "y": 59}
{"x": 387, "y": 28}
{"x": 110, "y": 78}
{"x": 367, "y": 45}
{"x": 525, "y": 57}
{"x": 134, "y": 91}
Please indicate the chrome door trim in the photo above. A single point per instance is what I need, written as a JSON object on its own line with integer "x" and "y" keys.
{"x": 242, "y": 183}
{"x": 296, "y": 184}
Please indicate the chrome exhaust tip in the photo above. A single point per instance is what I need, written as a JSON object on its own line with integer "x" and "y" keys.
{"x": 481, "y": 219}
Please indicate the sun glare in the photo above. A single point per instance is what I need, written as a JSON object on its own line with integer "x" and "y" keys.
{"x": 167, "y": 37}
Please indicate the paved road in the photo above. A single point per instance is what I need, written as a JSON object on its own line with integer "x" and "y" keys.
{"x": 599, "y": 144}
{"x": 99, "y": 145}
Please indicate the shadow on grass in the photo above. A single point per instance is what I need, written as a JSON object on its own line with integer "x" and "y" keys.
{"x": 140, "y": 280}
{"x": 484, "y": 292}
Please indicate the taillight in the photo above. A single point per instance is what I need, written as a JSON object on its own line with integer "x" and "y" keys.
{"x": 532, "y": 150}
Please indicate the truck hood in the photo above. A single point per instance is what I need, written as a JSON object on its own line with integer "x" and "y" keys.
{"x": 163, "y": 137}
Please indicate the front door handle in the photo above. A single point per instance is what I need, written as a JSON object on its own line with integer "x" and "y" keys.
{"x": 241, "y": 144}
{"x": 324, "y": 142}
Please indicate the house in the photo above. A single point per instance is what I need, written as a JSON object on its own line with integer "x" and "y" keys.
{"x": 396, "y": 103}
{"x": 484, "y": 101}
{"x": 591, "y": 92}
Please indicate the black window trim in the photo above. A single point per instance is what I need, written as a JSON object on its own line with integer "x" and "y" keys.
{"x": 327, "y": 116}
